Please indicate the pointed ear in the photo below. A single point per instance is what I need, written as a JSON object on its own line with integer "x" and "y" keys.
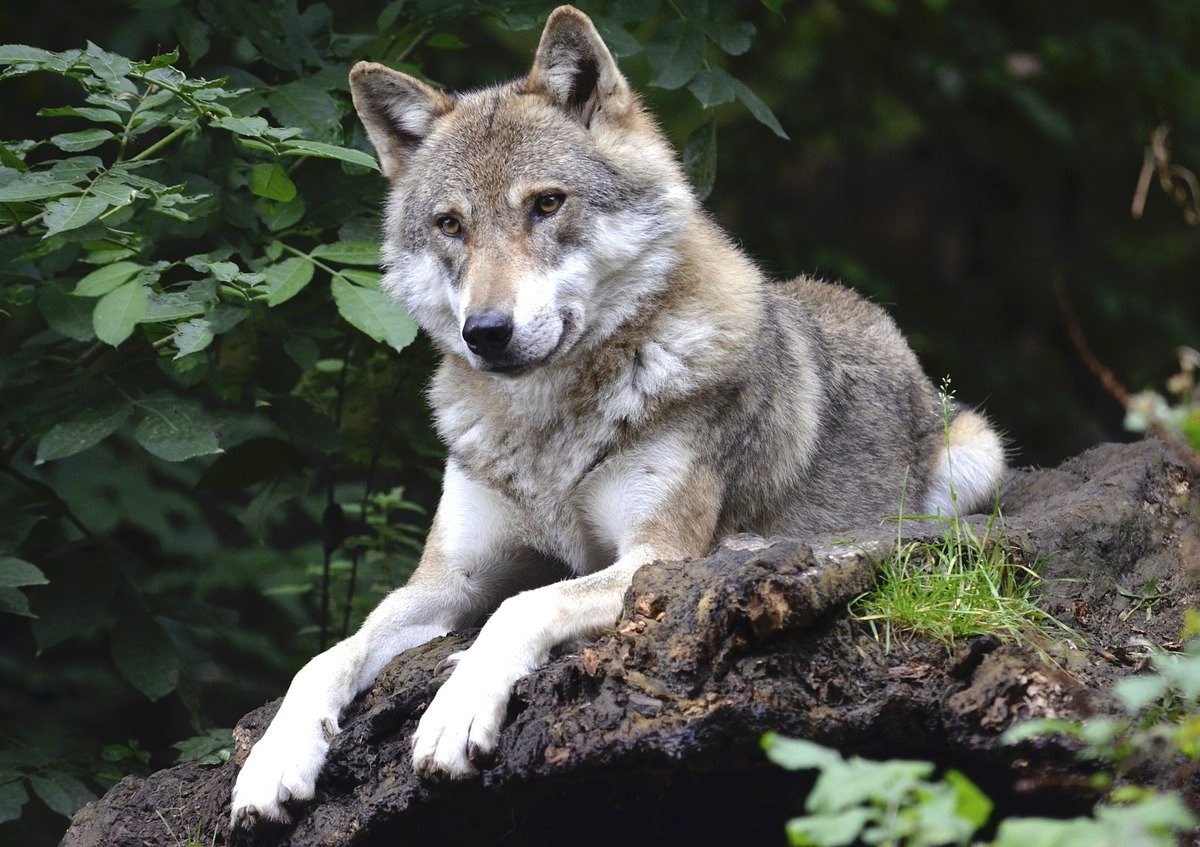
{"x": 574, "y": 67}
{"x": 397, "y": 111}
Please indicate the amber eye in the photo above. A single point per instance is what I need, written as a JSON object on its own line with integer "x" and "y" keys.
{"x": 450, "y": 225}
{"x": 547, "y": 204}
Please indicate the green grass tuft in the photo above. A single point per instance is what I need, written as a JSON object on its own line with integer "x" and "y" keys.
{"x": 959, "y": 586}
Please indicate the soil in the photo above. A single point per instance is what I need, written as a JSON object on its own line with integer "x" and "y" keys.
{"x": 652, "y": 731}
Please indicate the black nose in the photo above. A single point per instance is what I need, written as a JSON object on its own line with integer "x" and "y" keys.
{"x": 487, "y": 333}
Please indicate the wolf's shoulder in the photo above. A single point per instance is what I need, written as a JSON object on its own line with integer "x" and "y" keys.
{"x": 835, "y": 307}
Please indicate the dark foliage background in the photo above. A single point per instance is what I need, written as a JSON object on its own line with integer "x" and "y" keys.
{"x": 238, "y": 467}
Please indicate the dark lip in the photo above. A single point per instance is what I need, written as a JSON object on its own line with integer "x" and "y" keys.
{"x": 511, "y": 370}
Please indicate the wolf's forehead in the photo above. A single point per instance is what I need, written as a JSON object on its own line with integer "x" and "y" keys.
{"x": 496, "y": 138}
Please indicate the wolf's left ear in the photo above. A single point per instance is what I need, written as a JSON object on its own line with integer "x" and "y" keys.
{"x": 574, "y": 67}
{"x": 397, "y": 110}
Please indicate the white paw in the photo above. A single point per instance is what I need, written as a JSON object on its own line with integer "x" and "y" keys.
{"x": 462, "y": 724}
{"x": 283, "y": 766}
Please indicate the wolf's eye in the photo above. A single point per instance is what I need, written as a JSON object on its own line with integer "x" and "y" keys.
{"x": 450, "y": 225}
{"x": 547, "y": 204}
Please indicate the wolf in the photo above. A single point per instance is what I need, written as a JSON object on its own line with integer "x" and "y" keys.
{"x": 619, "y": 384}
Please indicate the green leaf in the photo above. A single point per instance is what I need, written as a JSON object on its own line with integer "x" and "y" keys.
{"x": 192, "y": 336}
{"x": 175, "y": 429}
{"x": 970, "y": 803}
{"x": 446, "y": 41}
{"x": 712, "y": 87}
{"x": 700, "y": 158}
{"x": 13, "y": 602}
{"x": 1191, "y": 620}
{"x": 306, "y": 105}
{"x": 278, "y": 216}
{"x": 1049, "y": 832}
{"x": 85, "y": 139}
{"x": 9, "y": 159}
{"x": 248, "y": 127}
{"x": 36, "y": 185}
{"x": 272, "y": 181}
{"x": 66, "y": 314}
{"x": 13, "y": 797}
{"x": 676, "y": 54}
{"x": 90, "y": 113}
{"x": 118, "y": 311}
{"x": 84, "y": 430}
{"x": 796, "y": 754}
{"x": 145, "y": 656}
{"x": 224, "y": 271}
{"x": 299, "y": 147}
{"x": 16, "y": 572}
{"x": 350, "y": 253}
{"x": 619, "y": 40}
{"x": 76, "y": 168}
{"x": 287, "y": 279}
{"x": 733, "y": 36}
{"x": 302, "y": 350}
{"x": 374, "y": 313}
{"x": 367, "y": 279}
{"x": 214, "y": 747}
{"x": 1038, "y": 727}
{"x": 110, "y": 67}
{"x": 1155, "y": 814}
{"x": 193, "y": 34}
{"x": 192, "y": 302}
{"x": 72, "y": 213}
{"x": 13, "y": 53}
{"x": 61, "y": 792}
{"x": 758, "y": 108}
{"x": 860, "y": 780}
{"x": 1138, "y": 692}
{"x": 105, "y": 279}
{"x": 828, "y": 830}
{"x": 116, "y": 190}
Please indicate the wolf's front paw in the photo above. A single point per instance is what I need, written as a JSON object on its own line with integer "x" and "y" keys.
{"x": 462, "y": 724}
{"x": 282, "y": 767}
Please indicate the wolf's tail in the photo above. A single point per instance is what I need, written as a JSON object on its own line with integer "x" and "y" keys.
{"x": 968, "y": 465}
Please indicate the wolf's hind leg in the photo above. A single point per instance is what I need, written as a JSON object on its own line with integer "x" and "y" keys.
{"x": 967, "y": 468}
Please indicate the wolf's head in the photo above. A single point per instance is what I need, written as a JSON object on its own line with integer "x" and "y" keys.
{"x": 526, "y": 220}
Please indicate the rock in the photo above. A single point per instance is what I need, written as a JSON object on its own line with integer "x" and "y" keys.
{"x": 651, "y": 731}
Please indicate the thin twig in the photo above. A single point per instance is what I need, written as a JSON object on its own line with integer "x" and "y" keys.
{"x": 165, "y": 140}
{"x": 1183, "y": 452}
{"x": 1107, "y": 378}
{"x": 412, "y": 45}
{"x": 368, "y": 487}
{"x": 22, "y": 226}
{"x": 332, "y": 543}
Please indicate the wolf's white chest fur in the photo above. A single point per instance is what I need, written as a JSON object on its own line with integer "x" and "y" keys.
{"x": 571, "y": 473}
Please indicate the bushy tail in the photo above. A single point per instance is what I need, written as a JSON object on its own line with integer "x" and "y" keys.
{"x": 968, "y": 461}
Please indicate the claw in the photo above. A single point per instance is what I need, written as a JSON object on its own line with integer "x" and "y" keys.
{"x": 329, "y": 729}
{"x": 447, "y": 665}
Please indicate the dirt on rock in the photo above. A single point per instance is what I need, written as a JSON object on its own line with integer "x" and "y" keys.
{"x": 651, "y": 732}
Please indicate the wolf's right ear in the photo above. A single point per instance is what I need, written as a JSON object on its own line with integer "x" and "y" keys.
{"x": 573, "y": 65}
{"x": 397, "y": 111}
